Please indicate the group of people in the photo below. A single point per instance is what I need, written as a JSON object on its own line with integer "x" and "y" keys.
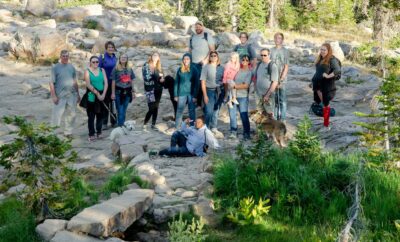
{"x": 201, "y": 80}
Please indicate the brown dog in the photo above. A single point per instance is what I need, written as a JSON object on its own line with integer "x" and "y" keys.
{"x": 274, "y": 129}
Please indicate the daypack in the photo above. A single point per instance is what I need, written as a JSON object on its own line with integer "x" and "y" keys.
{"x": 317, "y": 110}
{"x": 338, "y": 76}
{"x": 205, "y": 34}
{"x": 254, "y": 78}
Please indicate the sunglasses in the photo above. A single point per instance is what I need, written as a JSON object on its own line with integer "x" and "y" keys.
{"x": 264, "y": 55}
{"x": 95, "y": 62}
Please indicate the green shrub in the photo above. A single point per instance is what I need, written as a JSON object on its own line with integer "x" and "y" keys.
{"x": 91, "y": 24}
{"x": 250, "y": 212}
{"x": 118, "y": 182}
{"x": 17, "y": 224}
{"x": 306, "y": 144}
{"x": 181, "y": 231}
{"x": 394, "y": 43}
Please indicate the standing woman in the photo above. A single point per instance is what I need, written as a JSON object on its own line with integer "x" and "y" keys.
{"x": 153, "y": 79}
{"x": 186, "y": 88}
{"x": 327, "y": 70}
{"x": 242, "y": 83}
{"x": 97, "y": 84}
{"x": 212, "y": 89}
{"x": 123, "y": 91}
{"x": 107, "y": 61}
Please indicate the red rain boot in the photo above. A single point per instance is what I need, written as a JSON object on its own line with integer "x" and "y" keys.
{"x": 326, "y": 112}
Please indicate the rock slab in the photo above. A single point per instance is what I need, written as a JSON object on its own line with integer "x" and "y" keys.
{"x": 116, "y": 214}
{"x": 66, "y": 236}
{"x": 50, "y": 227}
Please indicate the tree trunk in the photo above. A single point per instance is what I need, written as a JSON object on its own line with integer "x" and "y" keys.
{"x": 179, "y": 7}
{"x": 233, "y": 13}
{"x": 381, "y": 20}
{"x": 271, "y": 21}
{"x": 199, "y": 9}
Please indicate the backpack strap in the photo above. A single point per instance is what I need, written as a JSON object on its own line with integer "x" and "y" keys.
{"x": 205, "y": 34}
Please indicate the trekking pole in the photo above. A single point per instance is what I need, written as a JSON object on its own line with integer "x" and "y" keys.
{"x": 112, "y": 115}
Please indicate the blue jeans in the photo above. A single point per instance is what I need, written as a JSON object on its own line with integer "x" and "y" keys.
{"x": 211, "y": 109}
{"x": 177, "y": 139}
{"x": 244, "y": 115}
{"x": 280, "y": 104}
{"x": 181, "y": 106}
{"x": 121, "y": 106}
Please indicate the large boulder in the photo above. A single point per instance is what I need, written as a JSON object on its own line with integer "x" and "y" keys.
{"x": 41, "y": 7}
{"x": 160, "y": 39}
{"x": 50, "y": 227}
{"x": 5, "y": 15}
{"x": 66, "y": 236}
{"x": 77, "y": 14}
{"x": 116, "y": 214}
{"x": 226, "y": 41}
{"x": 337, "y": 50}
{"x": 37, "y": 43}
{"x": 184, "y": 22}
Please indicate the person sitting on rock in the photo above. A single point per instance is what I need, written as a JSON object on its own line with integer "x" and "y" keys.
{"x": 191, "y": 141}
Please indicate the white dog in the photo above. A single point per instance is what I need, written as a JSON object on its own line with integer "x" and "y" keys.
{"x": 123, "y": 130}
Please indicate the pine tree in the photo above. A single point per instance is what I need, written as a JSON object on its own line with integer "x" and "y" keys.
{"x": 252, "y": 15}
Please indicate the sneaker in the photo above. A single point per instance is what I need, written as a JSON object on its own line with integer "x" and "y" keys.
{"x": 230, "y": 105}
{"x": 246, "y": 137}
{"x": 235, "y": 101}
{"x": 92, "y": 138}
{"x": 153, "y": 127}
{"x": 233, "y": 135}
{"x": 144, "y": 127}
{"x": 99, "y": 136}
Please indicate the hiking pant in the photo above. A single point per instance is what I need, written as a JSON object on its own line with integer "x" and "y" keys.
{"x": 108, "y": 102}
{"x": 327, "y": 97}
{"x": 178, "y": 146}
{"x": 280, "y": 103}
{"x": 67, "y": 107}
{"x": 244, "y": 115}
{"x": 174, "y": 103}
{"x": 182, "y": 101}
{"x": 93, "y": 115}
{"x": 211, "y": 109}
{"x": 153, "y": 107}
{"x": 199, "y": 95}
{"x": 262, "y": 106}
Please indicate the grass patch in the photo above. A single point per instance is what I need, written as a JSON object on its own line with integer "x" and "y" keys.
{"x": 77, "y": 3}
{"x": 350, "y": 80}
{"x": 17, "y": 224}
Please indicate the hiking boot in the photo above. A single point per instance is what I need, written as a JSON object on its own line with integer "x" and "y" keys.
{"x": 153, "y": 127}
{"x": 246, "y": 137}
{"x": 233, "y": 135}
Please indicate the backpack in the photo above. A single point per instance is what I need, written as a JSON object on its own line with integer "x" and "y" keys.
{"x": 254, "y": 77}
{"x": 317, "y": 110}
{"x": 191, "y": 38}
{"x": 338, "y": 76}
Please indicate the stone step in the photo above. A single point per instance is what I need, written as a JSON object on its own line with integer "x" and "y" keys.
{"x": 116, "y": 214}
{"x": 66, "y": 236}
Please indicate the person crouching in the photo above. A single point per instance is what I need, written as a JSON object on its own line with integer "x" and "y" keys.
{"x": 191, "y": 141}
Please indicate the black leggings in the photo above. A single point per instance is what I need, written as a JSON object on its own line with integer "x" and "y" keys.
{"x": 326, "y": 96}
{"x": 153, "y": 107}
{"x": 93, "y": 111}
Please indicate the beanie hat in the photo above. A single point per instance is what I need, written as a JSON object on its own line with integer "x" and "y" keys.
{"x": 187, "y": 54}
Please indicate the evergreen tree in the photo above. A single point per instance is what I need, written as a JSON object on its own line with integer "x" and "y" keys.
{"x": 252, "y": 15}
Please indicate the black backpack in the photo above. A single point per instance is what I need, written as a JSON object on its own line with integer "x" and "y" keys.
{"x": 191, "y": 38}
{"x": 254, "y": 77}
{"x": 317, "y": 110}
{"x": 338, "y": 76}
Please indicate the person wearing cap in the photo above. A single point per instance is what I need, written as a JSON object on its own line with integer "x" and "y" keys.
{"x": 186, "y": 87}
{"x": 201, "y": 44}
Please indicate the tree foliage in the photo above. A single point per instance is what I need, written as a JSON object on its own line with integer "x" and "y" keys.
{"x": 38, "y": 159}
